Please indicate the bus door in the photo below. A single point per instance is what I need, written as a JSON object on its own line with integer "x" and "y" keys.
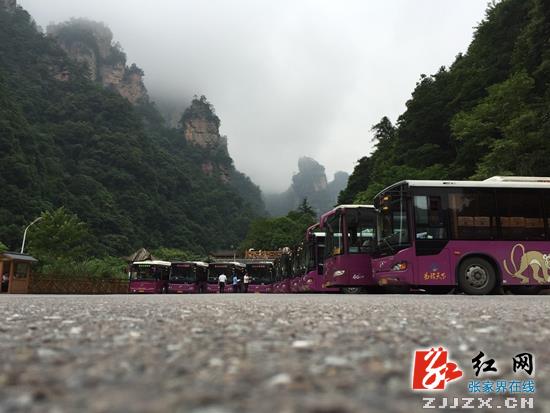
{"x": 202, "y": 278}
{"x": 432, "y": 263}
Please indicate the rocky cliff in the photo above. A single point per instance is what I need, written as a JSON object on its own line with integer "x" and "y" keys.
{"x": 91, "y": 43}
{"x": 9, "y": 5}
{"x": 310, "y": 182}
{"x": 133, "y": 180}
{"x": 200, "y": 127}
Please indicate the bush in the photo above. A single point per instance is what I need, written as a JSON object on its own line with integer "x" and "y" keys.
{"x": 108, "y": 267}
{"x": 174, "y": 254}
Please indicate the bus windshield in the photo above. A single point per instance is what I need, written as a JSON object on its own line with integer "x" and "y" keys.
{"x": 393, "y": 232}
{"x": 361, "y": 223}
{"x": 261, "y": 274}
{"x": 145, "y": 272}
{"x": 314, "y": 250}
{"x": 218, "y": 269}
{"x": 183, "y": 274}
{"x": 333, "y": 239}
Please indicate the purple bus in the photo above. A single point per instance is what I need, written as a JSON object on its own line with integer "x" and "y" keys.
{"x": 282, "y": 269}
{"x": 149, "y": 277}
{"x": 278, "y": 276}
{"x": 261, "y": 275}
{"x": 297, "y": 269}
{"x": 477, "y": 236}
{"x": 188, "y": 277}
{"x": 229, "y": 268}
{"x": 313, "y": 247}
{"x": 349, "y": 243}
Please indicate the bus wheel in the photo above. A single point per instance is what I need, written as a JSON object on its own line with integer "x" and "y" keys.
{"x": 476, "y": 276}
{"x": 351, "y": 290}
{"x": 525, "y": 289}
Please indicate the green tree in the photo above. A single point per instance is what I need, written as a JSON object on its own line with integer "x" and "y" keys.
{"x": 59, "y": 236}
{"x": 305, "y": 208}
{"x": 487, "y": 114}
{"x": 72, "y": 142}
{"x": 172, "y": 254}
{"x": 3, "y": 248}
{"x": 274, "y": 233}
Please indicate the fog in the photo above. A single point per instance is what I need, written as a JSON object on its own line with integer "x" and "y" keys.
{"x": 287, "y": 78}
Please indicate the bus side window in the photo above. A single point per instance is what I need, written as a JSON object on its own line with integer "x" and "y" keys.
{"x": 472, "y": 215}
{"x": 520, "y": 214}
{"x": 429, "y": 217}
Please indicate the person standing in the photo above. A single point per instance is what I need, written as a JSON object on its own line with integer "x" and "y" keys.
{"x": 222, "y": 279}
{"x": 246, "y": 281}
{"x": 235, "y": 284}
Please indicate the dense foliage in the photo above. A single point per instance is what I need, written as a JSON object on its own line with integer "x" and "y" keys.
{"x": 71, "y": 143}
{"x": 271, "y": 234}
{"x": 488, "y": 114}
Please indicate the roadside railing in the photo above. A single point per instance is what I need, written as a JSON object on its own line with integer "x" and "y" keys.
{"x": 52, "y": 284}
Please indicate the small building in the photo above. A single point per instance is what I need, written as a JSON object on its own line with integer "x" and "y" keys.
{"x": 15, "y": 269}
{"x": 140, "y": 255}
{"x": 253, "y": 254}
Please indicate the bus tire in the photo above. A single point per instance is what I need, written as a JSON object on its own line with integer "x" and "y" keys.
{"x": 351, "y": 290}
{"x": 476, "y": 276}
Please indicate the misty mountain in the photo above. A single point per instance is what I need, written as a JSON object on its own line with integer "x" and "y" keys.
{"x": 310, "y": 182}
{"x": 78, "y": 130}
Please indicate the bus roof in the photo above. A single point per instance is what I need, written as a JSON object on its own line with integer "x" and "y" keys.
{"x": 153, "y": 262}
{"x": 333, "y": 211}
{"x": 198, "y": 263}
{"x": 494, "y": 182}
{"x": 260, "y": 263}
{"x": 235, "y": 263}
{"x": 311, "y": 231}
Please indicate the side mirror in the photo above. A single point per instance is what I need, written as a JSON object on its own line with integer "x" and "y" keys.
{"x": 320, "y": 269}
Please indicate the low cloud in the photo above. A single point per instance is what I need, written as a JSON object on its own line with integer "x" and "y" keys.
{"x": 287, "y": 78}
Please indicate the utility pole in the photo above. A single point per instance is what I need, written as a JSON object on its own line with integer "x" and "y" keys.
{"x": 25, "y": 233}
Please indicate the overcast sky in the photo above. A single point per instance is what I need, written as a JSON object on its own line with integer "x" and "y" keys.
{"x": 288, "y": 78}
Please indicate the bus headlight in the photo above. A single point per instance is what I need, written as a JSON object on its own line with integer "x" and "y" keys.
{"x": 400, "y": 266}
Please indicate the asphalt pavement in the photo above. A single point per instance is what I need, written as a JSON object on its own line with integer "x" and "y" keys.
{"x": 258, "y": 353}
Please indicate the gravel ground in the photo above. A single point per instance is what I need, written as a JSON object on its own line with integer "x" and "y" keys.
{"x": 253, "y": 353}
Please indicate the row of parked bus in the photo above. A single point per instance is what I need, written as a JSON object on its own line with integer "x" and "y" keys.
{"x": 476, "y": 237}
{"x": 198, "y": 277}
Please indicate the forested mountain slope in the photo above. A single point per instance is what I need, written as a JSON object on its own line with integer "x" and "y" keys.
{"x": 69, "y": 140}
{"x": 488, "y": 114}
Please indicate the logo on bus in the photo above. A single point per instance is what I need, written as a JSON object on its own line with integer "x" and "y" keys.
{"x": 432, "y": 369}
